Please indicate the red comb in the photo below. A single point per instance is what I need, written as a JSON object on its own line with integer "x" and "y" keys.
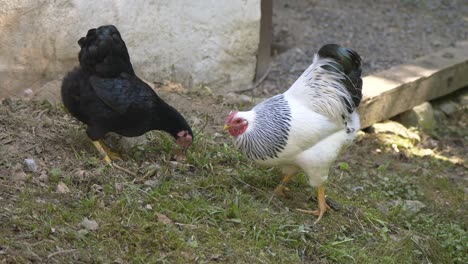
{"x": 231, "y": 116}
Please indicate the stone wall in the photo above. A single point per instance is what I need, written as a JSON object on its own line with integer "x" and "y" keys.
{"x": 207, "y": 42}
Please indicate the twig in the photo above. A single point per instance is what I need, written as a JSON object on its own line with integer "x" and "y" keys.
{"x": 203, "y": 127}
{"x": 60, "y": 252}
{"x": 256, "y": 84}
{"x": 124, "y": 170}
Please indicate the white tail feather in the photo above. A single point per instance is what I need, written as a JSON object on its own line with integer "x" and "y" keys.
{"x": 322, "y": 90}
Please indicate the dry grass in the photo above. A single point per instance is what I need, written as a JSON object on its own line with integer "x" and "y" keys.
{"x": 218, "y": 207}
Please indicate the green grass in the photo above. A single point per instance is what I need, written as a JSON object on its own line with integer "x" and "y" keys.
{"x": 219, "y": 207}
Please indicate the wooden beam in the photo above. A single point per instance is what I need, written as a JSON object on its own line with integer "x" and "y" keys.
{"x": 266, "y": 35}
{"x": 398, "y": 89}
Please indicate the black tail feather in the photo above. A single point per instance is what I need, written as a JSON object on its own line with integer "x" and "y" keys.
{"x": 103, "y": 52}
{"x": 348, "y": 63}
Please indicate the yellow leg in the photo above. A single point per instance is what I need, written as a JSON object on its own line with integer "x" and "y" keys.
{"x": 281, "y": 188}
{"x": 101, "y": 151}
{"x": 322, "y": 205}
{"x": 112, "y": 155}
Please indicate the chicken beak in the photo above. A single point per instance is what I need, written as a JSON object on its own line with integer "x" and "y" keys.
{"x": 226, "y": 127}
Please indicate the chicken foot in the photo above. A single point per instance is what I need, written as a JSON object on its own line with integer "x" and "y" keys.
{"x": 112, "y": 155}
{"x": 322, "y": 205}
{"x": 102, "y": 151}
{"x": 282, "y": 188}
{"x": 101, "y": 148}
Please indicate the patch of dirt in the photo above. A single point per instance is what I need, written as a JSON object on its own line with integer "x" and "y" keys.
{"x": 384, "y": 33}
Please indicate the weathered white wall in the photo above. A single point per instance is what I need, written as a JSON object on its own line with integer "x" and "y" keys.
{"x": 209, "y": 41}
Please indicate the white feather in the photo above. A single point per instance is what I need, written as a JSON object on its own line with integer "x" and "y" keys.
{"x": 321, "y": 90}
{"x": 317, "y": 130}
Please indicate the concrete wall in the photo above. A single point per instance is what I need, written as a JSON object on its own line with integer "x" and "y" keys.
{"x": 208, "y": 42}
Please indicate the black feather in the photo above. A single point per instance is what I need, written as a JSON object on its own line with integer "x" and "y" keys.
{"x": 105, "y": 93}
{"x": 103, "y": 52}
{"x": 348, "y": 62}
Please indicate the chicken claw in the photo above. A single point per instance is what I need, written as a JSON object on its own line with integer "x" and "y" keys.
{"x": 281, "y": 189}
{"x": 322, "y": 204}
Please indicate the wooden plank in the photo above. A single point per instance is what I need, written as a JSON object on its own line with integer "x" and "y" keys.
{"x": 398, "y": 89}
{"x": 266, "y": 35}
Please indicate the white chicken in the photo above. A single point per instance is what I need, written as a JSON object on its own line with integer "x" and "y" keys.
{"x": 307, "y": 126}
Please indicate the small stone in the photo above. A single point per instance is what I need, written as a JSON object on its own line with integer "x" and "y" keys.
{"x": 118, "y": 187}
{"x": 97, "y": 188}
{"x": 149, "y": 207}
{"x": 17, "y": 174}
{"x": 28, "y": 93}
{"x": 173, "y": 164}
{"x": 62, "y": 188}
{"x": 44, "y": 177}
{"x": 463, "y": 99}
{"x": 163, "y": 218}
{"x": 89, "y": 224}
{"x": 421, "y": 116}
{"x": 151, "y": 183}
{"x": 49, "y": 92}
{"x": 80, "y": 174}
{"x": 128, "y": 143}
{"x": 358, "y": 188}
{"x": 395, "y": 148}
{"x": 118, "y": 261}
{"x": 394, "y": 128}
{"x": 447, "y": 107}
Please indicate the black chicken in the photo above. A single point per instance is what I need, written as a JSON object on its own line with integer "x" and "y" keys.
{"x": 106, "y": 95}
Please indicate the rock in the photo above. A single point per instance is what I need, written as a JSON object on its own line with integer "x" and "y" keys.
{"x": 49, "y": 92}
{"x": 439, "y": 115}
{"x": 89, "y": 224}
{"x": 128, "y": 143}
{"x": 421, "y": 116}
{"x": 31, "y": 165}
{"x": 80, "y": 174}
{"x": 463, "y": 99}
{"x": 151, "y": 183}
{"x": 97, "y": 188}
{"x": 62, "y": 188}
{"x": 44, "y": 177}
{"x": 394, "y": 128}
{"x": 358, "y": 189}
{"x": 28, "y": 93}
{"x": 447, "y": 107}
{"x": 173, "y": 164}
{"x": 213, "y": 43}
{"x": 17, "y": 174}
{"x": 118, "y": 187}
{"x": 163, "y": 218}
